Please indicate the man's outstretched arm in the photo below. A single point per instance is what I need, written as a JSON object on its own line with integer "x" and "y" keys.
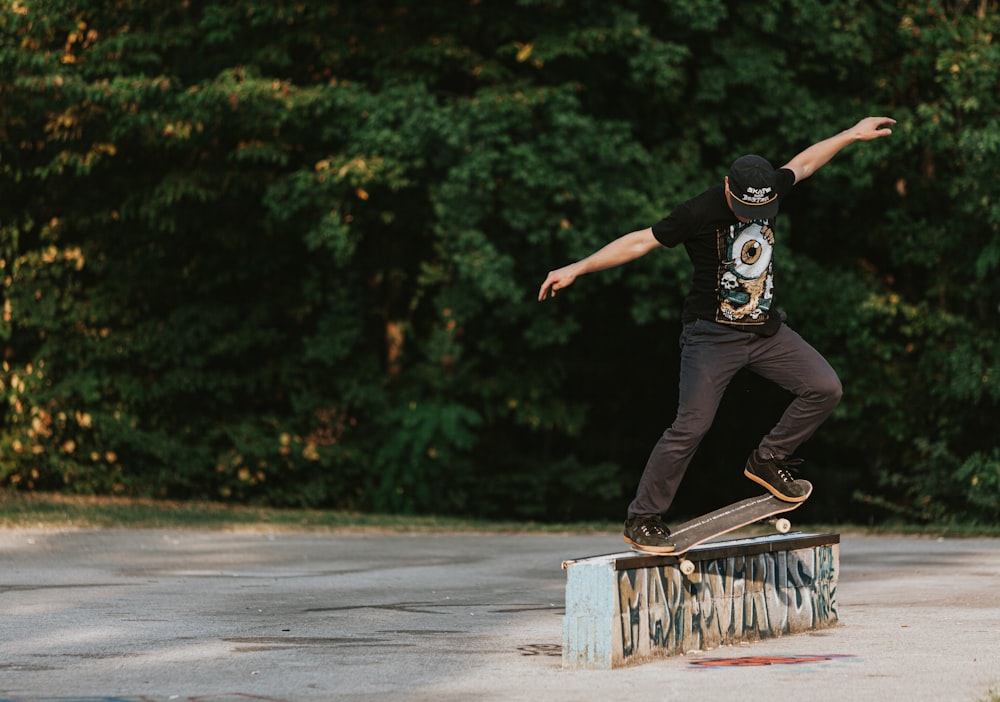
{"x": 816, "y": 156}
{"x": 621, "y": 250}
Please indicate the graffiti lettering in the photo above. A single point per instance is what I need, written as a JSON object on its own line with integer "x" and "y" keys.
{"x": 728, "y": 600}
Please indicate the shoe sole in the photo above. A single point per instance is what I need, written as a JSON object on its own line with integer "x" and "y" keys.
{"x": 773, "y": 491}
{"x": 650, "y": 549}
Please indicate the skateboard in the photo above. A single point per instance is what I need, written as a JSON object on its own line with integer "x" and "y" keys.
{"x": 726, "y": 519}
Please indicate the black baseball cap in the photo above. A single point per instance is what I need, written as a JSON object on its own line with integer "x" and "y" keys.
{"x": 751, "y": 185}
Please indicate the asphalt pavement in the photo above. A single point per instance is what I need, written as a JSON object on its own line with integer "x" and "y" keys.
{"x": 130, "y": 615}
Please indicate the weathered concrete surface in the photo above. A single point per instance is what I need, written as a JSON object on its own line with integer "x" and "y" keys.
{"x": 180, "y": 615}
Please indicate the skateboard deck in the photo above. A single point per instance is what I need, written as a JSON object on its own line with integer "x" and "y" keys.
{"x": 729, "y": 518}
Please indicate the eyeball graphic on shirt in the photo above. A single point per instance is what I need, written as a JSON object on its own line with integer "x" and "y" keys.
{"x": 752, "y": 252}
{"x": 746, "y": 285}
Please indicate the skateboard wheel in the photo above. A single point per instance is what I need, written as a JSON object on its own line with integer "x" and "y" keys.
{"x": 783, "y": 526}
{"x": 687, "y": 567}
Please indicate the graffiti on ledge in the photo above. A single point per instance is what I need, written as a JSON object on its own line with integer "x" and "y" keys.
{"x": 727, "y": 600}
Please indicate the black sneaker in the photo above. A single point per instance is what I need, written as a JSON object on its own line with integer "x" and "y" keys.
{"x": 648, "y": 533}
{"x": 776, "y": 476}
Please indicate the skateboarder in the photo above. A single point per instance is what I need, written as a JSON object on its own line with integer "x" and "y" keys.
{"x": 730, "y": 322}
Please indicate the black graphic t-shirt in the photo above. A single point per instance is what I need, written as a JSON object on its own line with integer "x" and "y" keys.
{"x": 733, "y": 280}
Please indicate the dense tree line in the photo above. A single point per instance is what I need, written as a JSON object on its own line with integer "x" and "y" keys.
{"x": 288, "y": 252}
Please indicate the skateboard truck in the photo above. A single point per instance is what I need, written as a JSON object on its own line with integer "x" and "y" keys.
{"x": 781, "y": 524}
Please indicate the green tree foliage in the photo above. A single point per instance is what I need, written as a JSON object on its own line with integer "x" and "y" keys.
{"x": 924, "y": 343}
{"x": 289, "y": 252}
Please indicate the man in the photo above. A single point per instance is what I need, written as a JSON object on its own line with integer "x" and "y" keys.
{"x": 730, "y": 323}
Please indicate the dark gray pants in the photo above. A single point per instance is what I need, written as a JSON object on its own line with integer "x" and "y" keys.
{"x": 711, "y": 354}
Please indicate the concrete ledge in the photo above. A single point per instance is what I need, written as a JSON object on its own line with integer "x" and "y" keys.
{"x": 627, "y": 608}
